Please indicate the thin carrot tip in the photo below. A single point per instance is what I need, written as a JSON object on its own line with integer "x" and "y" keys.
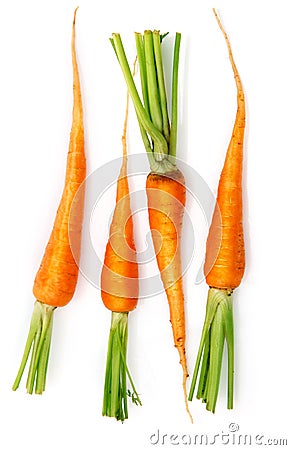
{"x": 75, "y": 13}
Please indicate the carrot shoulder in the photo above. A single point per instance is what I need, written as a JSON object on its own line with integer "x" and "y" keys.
{"x": 224, "y": 263}
{"x": 56, "y": 279}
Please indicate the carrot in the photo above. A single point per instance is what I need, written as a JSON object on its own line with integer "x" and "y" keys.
{"x": 166, "y": 200}
{"x": 165, "y": 184}
{"x": 224, "y": 262}
{"x": 119, "y": 291}
{"x": 56, "y": 279}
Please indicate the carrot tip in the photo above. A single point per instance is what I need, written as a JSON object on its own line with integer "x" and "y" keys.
{"x": 39, "y": 339}
{"x": 186, "y": 399}
{"x": 75, "y": 13}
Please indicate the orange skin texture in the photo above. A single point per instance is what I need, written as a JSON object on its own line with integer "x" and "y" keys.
{"x": 225, "y": 253}
{"x": 56, "y": 279}
{"x": 166, "y": 200}
{"x": 119, "y": 276}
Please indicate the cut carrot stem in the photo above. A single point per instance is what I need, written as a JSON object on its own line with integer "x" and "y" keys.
{"x": 56, "y": 279}
{"x": 115, "y": 388}
{"x": 174, "y": 116}
{"x": 165, "y": 186}
{"x": 38, "y": 339}
{"x": 224, "y": 263}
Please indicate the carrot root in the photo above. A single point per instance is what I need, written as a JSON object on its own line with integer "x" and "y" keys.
{"x": 183, "y": 363}
{"x": 115, "y": 388}
{"x": 38, "y": 344}
{"x": 218, "y": 328}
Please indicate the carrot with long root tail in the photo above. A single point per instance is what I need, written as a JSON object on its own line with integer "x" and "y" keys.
{"x": 56, "y": 279}
{"x": 119, "y": 291}
{"x": 224, "y": 263}
{"x": 165, "y": 186}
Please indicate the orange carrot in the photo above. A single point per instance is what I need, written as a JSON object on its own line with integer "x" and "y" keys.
{"x": 165, "y": 185}
{"x": 224, "y": 263}
{"x": 56, "y": 279}
{"x": 119, "y": 291}
{"x": 166, "y": 200}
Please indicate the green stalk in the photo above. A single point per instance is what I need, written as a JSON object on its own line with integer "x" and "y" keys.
{"x": 152, "y": 114}
{"x": 174, "y": 116}
{"x": 152, "y": 82}
{"x": 216, "y": 350}
{"x": 204, "y": 369}
{"x": 115, "y": 389}
{"x": 218, "y": 328}
{"x": 39, "y": 339}
{"x": 161, "y": 84}
{"x": 229, "y": 334}
{"x": 161, "y": 147}
{"x": 143, "y": 70}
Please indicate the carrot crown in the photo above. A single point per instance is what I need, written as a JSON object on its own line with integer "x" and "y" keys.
{"x": 158, "y": 130}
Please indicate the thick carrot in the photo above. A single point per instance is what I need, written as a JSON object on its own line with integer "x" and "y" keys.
{"x": 165, "y": 185}
{"x": 119, "y": 291}
{"x": 56, "y": 279}
{"x": 224, "y": 263}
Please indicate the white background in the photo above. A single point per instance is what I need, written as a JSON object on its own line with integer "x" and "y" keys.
{"x": 35, "y": 116}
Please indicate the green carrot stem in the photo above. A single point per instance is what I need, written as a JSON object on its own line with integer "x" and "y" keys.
{"x": 38, "y": 340}
{"x": 142, "y": 69}
{"x": 212, "y": 303}
{"x": 229, "y": 335}
{"x": 204, "y": 368}
{"x": 115, "y": 390}
{"x": 216, "y": 350}
{"x": 174, "y": 115}
{"x": 152, "y": 82}
{"x": 161, "y": 84}
{"x": 161, "y": 147}
{"x": 159, "y": 137}
{"x": 218, "y": 328}
{"x": 43, "y": 363}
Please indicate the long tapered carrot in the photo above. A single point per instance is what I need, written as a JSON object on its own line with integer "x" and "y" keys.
{"x": 166, "y": 200}
{"x": 119, "y": 291}
{"x": 165, "y": 185}
{"x": 224, "y": 263}
{"x": 56, "y": 279}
